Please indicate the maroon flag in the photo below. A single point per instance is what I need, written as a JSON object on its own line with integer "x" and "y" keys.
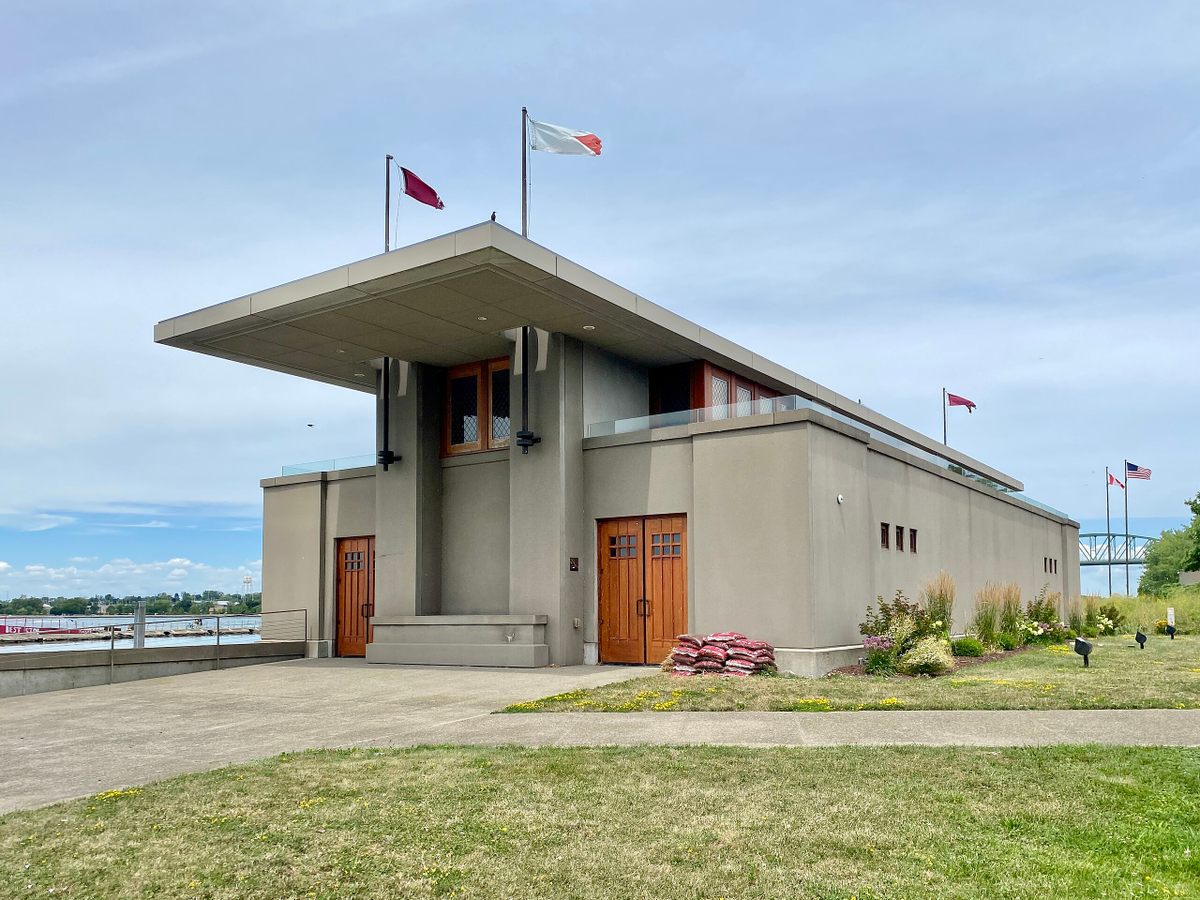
{"x": 420, "y": 191}
{"x": 956, "y": 400}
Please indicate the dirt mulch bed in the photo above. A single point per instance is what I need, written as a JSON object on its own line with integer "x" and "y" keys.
{"x": 960, "y": 662}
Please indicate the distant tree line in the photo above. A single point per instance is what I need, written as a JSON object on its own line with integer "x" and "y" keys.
{"x": 181, "y": 603}
{"x": 1177, "y": 550}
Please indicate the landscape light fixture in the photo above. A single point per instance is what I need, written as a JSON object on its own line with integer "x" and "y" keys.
{"x": 1084, "y": 649}
{"x": 1171, "y": 632}
{"x": 1140, "y": 638}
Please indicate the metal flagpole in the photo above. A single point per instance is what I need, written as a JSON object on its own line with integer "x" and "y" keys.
{"x": 387, "y": 202}
{"x": 1125, "y": 472}
{"x": 944, "y": 417}
{"x": 1108, "y": 526}
{"x": 524, "y": 172}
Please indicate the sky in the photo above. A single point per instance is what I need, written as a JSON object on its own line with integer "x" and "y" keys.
{"x": 889, "y": 198}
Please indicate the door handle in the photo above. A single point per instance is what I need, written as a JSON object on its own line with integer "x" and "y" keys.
{"x": 643, "y": 610}
{"x": 367, "y": 610}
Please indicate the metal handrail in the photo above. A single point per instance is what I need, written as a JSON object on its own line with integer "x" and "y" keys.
{"x": 113, "y": 628}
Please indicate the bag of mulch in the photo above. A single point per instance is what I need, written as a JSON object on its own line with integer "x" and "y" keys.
{"x": 724, "y": 637}
{"x": 681, "y": 669}
{"x": 735, "y": 673}
{"x": 736, "y": 652}
{"x": 693, "y": 640}
{"x": 707, "y": 666}
{"x": 742, "y": 665}
{"x": 686, "y": 655}
{"x": 713, "y": 651}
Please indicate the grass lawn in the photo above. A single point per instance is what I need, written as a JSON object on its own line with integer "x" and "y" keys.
{"x": 633, "y": 822}
{"x": 1163, "y": 676}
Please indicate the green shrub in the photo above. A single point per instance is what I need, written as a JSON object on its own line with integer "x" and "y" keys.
{"x": 937, "y": 597}
{"x": 966, "y": 646}
{"x": 1044, "y": 607}
{"x": 899, "y": 607}
{"x": 1091, "y": 614}
{"x": 930, "y": 656}
{"x": 880, "y": 662}
{"x": 1008, "y": 641}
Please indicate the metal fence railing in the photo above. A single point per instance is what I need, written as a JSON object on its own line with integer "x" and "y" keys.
{"x": 208, "y": 629}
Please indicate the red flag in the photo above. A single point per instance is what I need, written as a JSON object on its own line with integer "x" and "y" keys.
{"x": 420, "y": 191}
{"x": 956, "y": 400}
{"x": 1112, "y": 479}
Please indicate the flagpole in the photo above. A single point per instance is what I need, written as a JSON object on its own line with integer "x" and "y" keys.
{"x": 524, "y": 172}
{"x": 1108, "y": 526}
{"x": 1126, "y": 471}
{"x": 387, "y": 202}
{"x": 944, "y": 417}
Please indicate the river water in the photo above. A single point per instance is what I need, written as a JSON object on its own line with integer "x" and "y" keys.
{"x": 153, "y": 623}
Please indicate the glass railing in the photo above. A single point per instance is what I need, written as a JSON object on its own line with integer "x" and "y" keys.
{"x": 794, "y": 402}
{"x": 329, "y": 465}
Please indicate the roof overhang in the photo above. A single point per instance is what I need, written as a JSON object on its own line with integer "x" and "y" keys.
{"x": 452, "y": 300}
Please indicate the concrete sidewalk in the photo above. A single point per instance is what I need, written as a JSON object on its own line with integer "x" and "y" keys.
{"x": 72, "y": 743}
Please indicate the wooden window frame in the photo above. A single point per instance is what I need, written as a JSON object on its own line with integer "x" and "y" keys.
{"x": 482, "y": 371}
{"x": 497, "y": 365}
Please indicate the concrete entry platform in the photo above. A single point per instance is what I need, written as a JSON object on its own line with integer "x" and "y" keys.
{"x": 462, "y": 640}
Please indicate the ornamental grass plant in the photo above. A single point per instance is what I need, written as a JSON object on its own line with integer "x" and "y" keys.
{"x": 937, "y": 597}
{"x": 985, "y": 624}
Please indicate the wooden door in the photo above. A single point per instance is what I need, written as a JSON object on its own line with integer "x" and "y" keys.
{"x": 619, "y": 565}
{"x": 355, "y": 594}
{"x": 666, "y": 583}
{"x": 642, "y": 572}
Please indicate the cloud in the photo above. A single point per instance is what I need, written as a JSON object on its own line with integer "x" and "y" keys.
{"x": 122, "y": 576}
{"x": 33, "y": 521}
{"x": 154, "y": 523}
{"x": 83, "y": 559}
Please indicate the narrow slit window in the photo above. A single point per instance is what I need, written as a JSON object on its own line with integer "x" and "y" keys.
{"x": 912, "y": 540}
{"x": 720, "y": 398}
{"x": 885, "y": 531}
{"x": 900, "y": 538}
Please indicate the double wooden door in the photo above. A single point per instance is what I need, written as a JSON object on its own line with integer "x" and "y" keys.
{"x": 641, "y": 566}
{"x": 355, "y": 594}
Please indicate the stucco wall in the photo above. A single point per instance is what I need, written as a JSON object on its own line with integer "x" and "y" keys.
{"x": 974, "y": 535}
{"x": 475, "y": 534}
{"x": 613, "y": 388}
{"x": 302, "y": 518}
{"x": 772, "y": 552}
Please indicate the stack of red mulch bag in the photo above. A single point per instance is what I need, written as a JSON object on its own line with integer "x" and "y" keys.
{"x": 722, "y": 653}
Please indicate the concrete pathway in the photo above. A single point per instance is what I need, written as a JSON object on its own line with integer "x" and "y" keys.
{"x": 66, "y": 744}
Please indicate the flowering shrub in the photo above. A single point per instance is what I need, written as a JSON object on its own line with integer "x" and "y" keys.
{"x": 881, "y": 656}
{"x": 930, "y": 656}
{"x": 899, "y": 607}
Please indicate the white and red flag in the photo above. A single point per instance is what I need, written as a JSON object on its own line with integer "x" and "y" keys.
{"x": 955, "y": 400}
{"x": 1112, "y": 479}
{"x": 556, "y": 139}
{"x": 420, "y": 191}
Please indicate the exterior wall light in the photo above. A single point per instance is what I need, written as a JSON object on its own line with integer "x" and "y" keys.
{"x": 841, "y": 499}
{"x": 589, "y": 327}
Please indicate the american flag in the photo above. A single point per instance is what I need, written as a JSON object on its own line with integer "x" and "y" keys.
{"x": 1132, "y": 471}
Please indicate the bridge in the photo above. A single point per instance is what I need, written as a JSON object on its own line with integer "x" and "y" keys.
{"x": 1104, "y": 549}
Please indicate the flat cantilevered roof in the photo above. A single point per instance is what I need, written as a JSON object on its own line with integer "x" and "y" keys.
{"x": 450, "y": 300}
